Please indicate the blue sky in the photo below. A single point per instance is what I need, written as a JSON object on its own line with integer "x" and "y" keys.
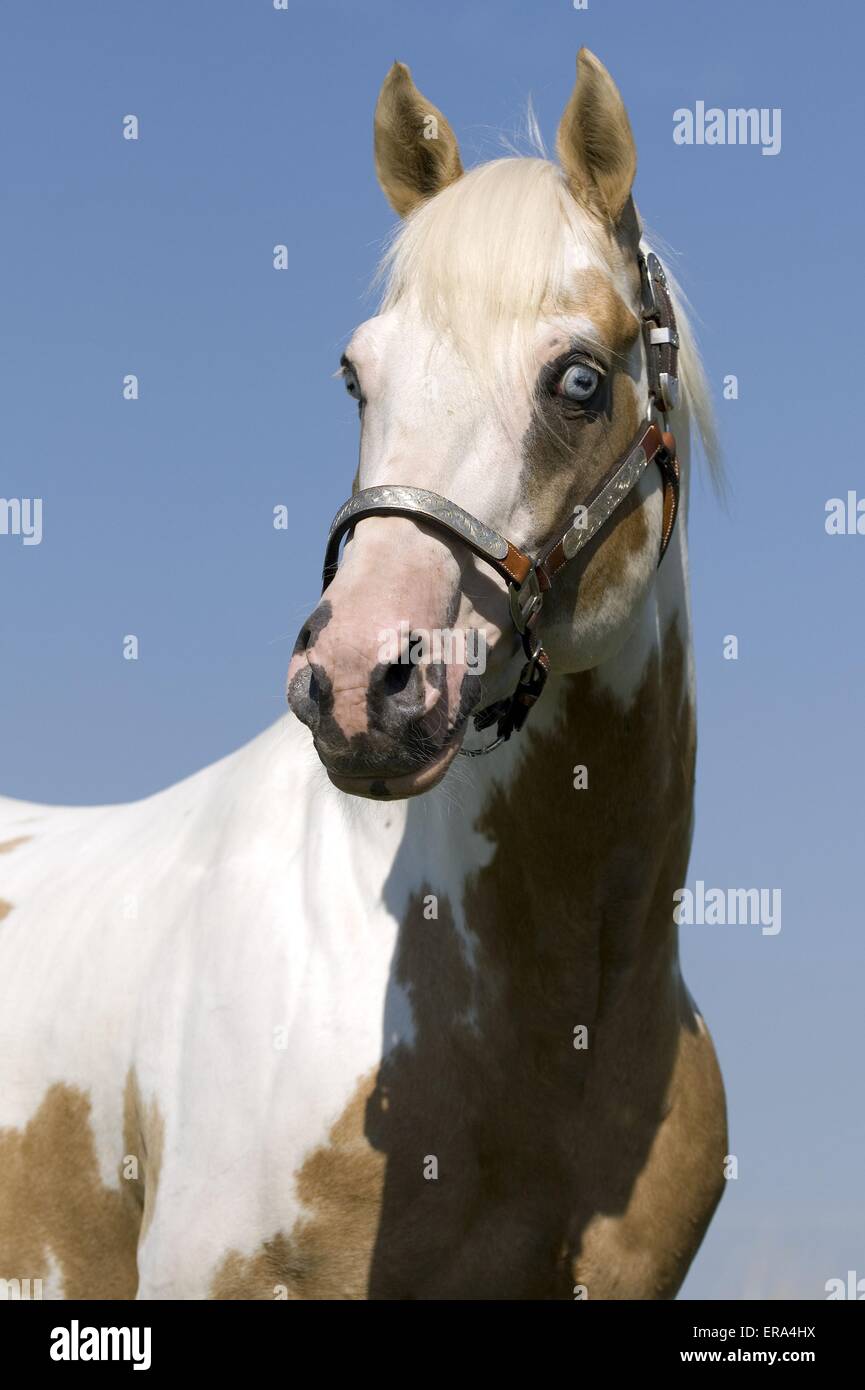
{"x": 154, "y": 257}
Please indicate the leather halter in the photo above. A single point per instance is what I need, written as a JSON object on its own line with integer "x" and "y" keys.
{"x": 528, "y": 578}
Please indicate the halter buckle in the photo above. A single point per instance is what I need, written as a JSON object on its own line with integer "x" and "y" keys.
{"x": 669, "y": 392}
{"x": 661, "y": 334}
{"x": 525, "y": 601}
{"x": 651, "y": 273}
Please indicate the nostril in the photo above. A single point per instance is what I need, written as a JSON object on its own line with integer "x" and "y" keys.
{"x": 313, "y": 628}
{"x": 304, "y": 698}
{"x": 398, "y": 692}
{"x": 396, "y": 677}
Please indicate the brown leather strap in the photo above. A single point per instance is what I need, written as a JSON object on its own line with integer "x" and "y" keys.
{"x": 650, "y": 441}
{"x": 668, "y": 463}
{"x": 516, "y": 564}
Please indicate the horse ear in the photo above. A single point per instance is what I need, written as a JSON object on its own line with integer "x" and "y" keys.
{"x": 595, "y": 143}
{"x": 416, "y": 152}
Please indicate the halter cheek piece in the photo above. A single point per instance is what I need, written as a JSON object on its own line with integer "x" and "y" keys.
{"x": 529, "y": 579}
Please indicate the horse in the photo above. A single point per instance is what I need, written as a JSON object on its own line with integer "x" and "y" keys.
{"x": 347, "y": 1015}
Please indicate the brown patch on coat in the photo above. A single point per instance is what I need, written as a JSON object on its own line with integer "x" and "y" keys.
{"x": 8, "y": 845}
{"x": 564, "y": 458}
{"x": 326, "y": 1254}
{"x": 144, "y": 1139}
{"x": 6, "y": 848}
{"x": 55, "y": 1208}
{"x": 594, "y": 295}
{"x": 567, "y": 451}
{"x": 556, "y": 1166}
{"x": 559, "y": 1166}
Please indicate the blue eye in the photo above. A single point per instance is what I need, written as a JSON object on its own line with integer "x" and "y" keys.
{"x": 579, "y": 383}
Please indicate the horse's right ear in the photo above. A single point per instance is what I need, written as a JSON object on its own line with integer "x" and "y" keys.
{"x": 595, "y": 143}
{"x": 416, "y": 152}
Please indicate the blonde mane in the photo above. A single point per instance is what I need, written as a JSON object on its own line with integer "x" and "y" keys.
{"x": 484, "y": 260}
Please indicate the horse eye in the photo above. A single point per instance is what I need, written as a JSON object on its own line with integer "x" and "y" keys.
{"x": 579, "y": 383}
{"x": 352, "y": 385}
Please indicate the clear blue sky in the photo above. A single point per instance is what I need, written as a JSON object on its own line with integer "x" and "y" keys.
{"x": 155, "y": 258}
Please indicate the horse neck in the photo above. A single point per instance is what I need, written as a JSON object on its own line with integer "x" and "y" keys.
{"x": 581, "y": 825}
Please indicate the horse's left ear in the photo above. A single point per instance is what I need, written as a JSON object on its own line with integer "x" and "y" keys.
{"x": 595, "y": 144}
{"x": 416, "y": 152}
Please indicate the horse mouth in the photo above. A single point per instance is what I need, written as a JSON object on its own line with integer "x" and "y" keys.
{"x": 398, "y": 786}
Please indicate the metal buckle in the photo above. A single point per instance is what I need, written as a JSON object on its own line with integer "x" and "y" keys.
{"x": 663, "y": 335}
{"x": 658, "y": 334}
{"x": 525, "y": 601}
{"x": 668, "y": 387}
{"x": 649, "y": 266}
{"x": 484, "y": 749}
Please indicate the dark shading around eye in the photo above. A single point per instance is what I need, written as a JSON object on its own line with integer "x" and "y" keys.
{"x": 351, "y": 381}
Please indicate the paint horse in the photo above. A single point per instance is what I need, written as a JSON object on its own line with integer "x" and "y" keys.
{"x": 291, "y": 1029}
